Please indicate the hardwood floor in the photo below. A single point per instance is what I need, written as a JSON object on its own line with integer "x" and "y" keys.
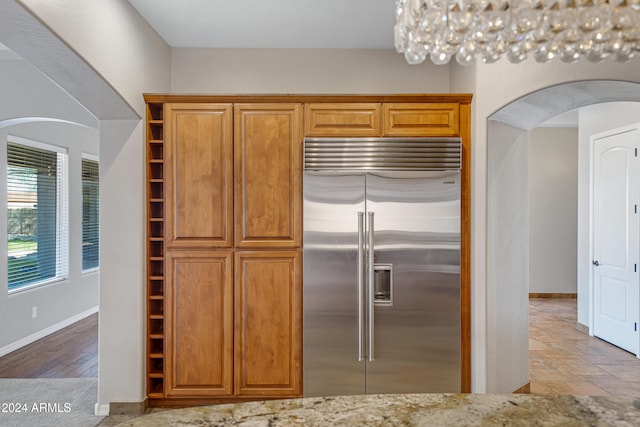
{"x": 563, "y": 360}
{"x": 71, "y": 352}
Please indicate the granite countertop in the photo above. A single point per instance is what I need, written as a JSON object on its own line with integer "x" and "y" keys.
{"x": 409, "y": 410}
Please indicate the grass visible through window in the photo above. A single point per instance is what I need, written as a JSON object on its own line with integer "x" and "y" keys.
{"x": 23, "y": 262}
{"x": 22, "y": 246}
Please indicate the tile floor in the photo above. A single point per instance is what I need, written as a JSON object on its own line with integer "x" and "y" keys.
{"x": 564, "y": 360}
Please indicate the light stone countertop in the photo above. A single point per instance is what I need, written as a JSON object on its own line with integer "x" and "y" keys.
{"x": 409, "y": 410}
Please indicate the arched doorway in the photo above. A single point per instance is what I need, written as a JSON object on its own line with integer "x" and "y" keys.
{"x": 508, "y": 137}
{"x": 116, "y": 121}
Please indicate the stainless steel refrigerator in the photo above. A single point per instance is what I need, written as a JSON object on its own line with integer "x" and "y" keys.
{"x": 381, "y": 265}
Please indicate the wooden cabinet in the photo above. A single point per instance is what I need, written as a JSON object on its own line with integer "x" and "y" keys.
{"x": 225, "y": 170}
{"x": 268, "y": 139}
{"x": 382, "y": 119}
{"x": 200, "y": 323}
{"x": 224, "y": 232}
{"x": 199, "y": 165}
{"x": 268, "y": 293}
{"x": 412, "y": 119}
{"x": 343, "y": 119}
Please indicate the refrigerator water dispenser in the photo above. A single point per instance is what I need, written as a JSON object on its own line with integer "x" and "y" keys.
{"x": 383, "y": 284}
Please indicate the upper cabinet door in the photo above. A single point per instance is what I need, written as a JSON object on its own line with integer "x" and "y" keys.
{"x": 268, "y": 155}
{"x": 359, "y": 119}
{"x": 421, "y": 119}
{"x": 199, "y": 188}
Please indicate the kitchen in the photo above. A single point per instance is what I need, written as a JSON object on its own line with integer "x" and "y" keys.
{"x": 493, "y": 87}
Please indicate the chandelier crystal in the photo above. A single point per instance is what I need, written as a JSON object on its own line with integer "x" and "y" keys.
{"x": 489, "y": 29}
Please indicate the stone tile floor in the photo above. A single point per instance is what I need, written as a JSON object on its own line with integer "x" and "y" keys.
{"x": 565, "y": 360}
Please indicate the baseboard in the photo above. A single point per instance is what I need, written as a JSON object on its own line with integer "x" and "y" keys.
{"x": 551, "y": 295}
{"x": 525, "y": 389}
{"x": 47, "y": 331}
{"x": 582, "y": 328}
{"x": 101, "y": 410}
{"x": 128, "y": 408}
{"x": 121, "y": 408}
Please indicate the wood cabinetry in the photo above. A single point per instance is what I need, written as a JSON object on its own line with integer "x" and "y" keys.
{"x": 382, "y": 119}
{"x": 199, "y": 165}
{"x": 412, "y": 119}
{"x": 343, "y": 119}
{"x": 268, "y": 141}
{"x": 199, "y": 323}
{"x": 268, "y": 193}
{"x": 224, "y": 232}
{"x": 268, "y": 323}
{"x": 155, "y": 250}
{"x": 225, "y": 333}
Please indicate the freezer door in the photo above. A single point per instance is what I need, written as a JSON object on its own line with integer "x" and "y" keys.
{"x": 331, "y": 321}
{"x": 417, "y": 259}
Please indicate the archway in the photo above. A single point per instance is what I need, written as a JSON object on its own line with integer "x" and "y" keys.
{"x": 119, "y": 129}
{"x": 508, "y": 137}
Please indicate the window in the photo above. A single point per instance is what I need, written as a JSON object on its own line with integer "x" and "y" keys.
{"x": 90, "y": 222}
{"x": 36, "y": 213}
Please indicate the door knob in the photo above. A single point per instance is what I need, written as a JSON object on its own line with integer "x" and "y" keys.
{"x": 596, "y": 263}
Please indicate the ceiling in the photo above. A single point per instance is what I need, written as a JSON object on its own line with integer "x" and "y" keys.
{"x": 331, "y": 24}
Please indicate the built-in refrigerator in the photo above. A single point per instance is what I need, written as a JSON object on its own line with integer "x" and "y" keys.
{"x": 381, "y": 265}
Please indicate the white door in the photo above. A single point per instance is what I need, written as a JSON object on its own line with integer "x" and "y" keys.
{"x": 616, "y": 193}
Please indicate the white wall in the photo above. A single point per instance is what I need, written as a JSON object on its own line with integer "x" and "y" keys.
{"x": 553, "y": 210}
{"x": 29, "y": 101}
{"x": 507, "y": 199}
{"x": 301, "y": 71}
{"x": 593, "y": 119}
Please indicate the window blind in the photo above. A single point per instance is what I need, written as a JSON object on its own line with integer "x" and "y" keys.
{"x": 36, "y": 215}
{"x": 90, "y": 218}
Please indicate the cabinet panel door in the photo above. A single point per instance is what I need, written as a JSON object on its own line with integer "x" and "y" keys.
{"x": 360, "y": 119}
{"x": 268, "y": 142}
{"x": 268, "y": 340}
{"x": 199, "y": 323}
{"x": 199, "y": 167}
{"x": 421, "y": 119}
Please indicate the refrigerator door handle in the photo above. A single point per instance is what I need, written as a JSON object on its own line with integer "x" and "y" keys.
{"x": 371, "y": 279}
{"x": 361, "y": 279}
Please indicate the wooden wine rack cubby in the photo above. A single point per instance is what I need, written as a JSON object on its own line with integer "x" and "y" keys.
{"x": 155, "y": 250}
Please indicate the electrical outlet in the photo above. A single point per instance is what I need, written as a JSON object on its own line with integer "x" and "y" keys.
{"x": 34, "y": 312}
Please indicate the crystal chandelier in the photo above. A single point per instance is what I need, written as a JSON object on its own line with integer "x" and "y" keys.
{"x": 489, "y": 29}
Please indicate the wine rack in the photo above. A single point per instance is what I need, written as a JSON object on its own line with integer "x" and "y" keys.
{"x": 155, "y": 250}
